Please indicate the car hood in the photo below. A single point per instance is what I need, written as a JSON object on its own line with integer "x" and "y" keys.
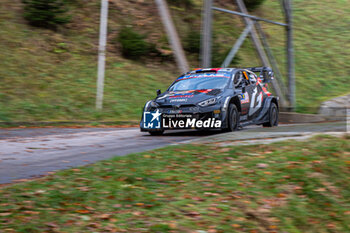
{"x": 186, "y": 97}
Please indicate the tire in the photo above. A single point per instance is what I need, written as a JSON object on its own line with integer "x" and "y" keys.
{"x": 156, "y": 133}
{"x": 273, "y": 116}
{"x": 233, "y": 118}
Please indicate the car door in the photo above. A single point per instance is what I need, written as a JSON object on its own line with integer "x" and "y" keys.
{"x": 243, "y": 83}
{"x": 255, "y": 94}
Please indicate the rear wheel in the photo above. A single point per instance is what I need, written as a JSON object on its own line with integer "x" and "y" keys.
{"x": 233, "y": 118}
{"x": 156, "y": 133}
{"x": 273, "y": 116}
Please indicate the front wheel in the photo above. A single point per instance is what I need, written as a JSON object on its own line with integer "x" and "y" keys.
{"x": 233, "y": 118}
{"x": 273, "y": 116}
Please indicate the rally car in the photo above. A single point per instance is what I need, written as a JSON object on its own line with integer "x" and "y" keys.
{"x": 213, "y": 98}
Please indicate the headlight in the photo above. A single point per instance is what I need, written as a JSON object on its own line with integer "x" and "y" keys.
{"x": 208, "y": 102}
{"x": 150, "y": 105}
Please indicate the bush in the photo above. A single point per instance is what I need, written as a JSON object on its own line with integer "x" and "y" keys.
{"x": 181, "y": 3}
{"x": 46, "y": 13}
{"x": 193, "y": 42}
{"x": 133, "y": 44}
{"x": 218, "y": 56}
{"x": 253, "y": 4}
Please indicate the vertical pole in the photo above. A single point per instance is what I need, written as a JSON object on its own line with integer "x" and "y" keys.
{"x": 272, "y": 59}
{"x": 172, "y": 36}
{"x": 237, "y": 45}
{"x": 259, "y": 48}
{"x": 290, "y": 54}
{"x": 253, "y": 34}
{"x": 206, "y": 33}
{"x": 102, "y": 54}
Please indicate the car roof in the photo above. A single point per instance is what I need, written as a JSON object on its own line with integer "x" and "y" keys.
{"x": 200, "y": 70}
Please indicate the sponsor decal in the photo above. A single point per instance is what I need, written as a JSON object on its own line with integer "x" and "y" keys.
{"x": 223, "y": 75}
{"x": 157, "y": 120}
{"x": 205, "y": 91}
{"x": 188, "y": 94}
{"x": 178, "y": 100}
{"x": 266, "y": 91}
{"x": 187, "y": 121}
{"x": 174, "y": 111}
{"x": 152, "y": 120}
{"x": 178, "y": 94}
{"x": 245, "y": 98}
{"x": 181, "y": 96}
{"x": 256, "y": 103}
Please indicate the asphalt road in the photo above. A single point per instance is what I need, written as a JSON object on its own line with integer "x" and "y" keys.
{"x": 28, "y": 153}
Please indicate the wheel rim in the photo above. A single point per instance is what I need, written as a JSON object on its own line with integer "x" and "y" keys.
{"x": 234, "y": 119}
{"x": 274, "y": 116}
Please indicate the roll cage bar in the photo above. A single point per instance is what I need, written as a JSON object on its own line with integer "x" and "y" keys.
{"x": 266, "y": 73}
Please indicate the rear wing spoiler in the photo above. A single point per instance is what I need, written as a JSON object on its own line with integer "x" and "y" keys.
{"x": 266, "y": 73}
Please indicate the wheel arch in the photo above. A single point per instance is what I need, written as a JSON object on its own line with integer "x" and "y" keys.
{"x": 236, "y": 101}
{"x": 230, "y": 100}
{"x": 275, "y": 101}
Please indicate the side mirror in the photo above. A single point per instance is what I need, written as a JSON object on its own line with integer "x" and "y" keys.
{"x": 268, "y": 76}
{"x": 159, "y": 92}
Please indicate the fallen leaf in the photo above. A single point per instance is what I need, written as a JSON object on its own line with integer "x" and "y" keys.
{"x": 281, "y": 195}
{"x": 5, "y": 214}
{"x": 193, "y": 214}
{"x": 104, "y": 216}
{"x": 224, "y": 150}
{"x": 320, "y": 190}
{"x": 85, "y": 218}
{"x": 83, "y": 211}
{"x": 262, "y": 165}
{"x": 31, "y": 212}
{"x": 137, "y": 213}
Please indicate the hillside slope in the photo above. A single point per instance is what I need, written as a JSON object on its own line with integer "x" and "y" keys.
{"x": 322, "y": 48}
{"x": 48, "y": 75}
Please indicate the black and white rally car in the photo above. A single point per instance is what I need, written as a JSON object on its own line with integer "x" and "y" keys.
{"x": 214, "y": 98}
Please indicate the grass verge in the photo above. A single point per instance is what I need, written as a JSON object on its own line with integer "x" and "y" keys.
{"x": 283, "y": 187}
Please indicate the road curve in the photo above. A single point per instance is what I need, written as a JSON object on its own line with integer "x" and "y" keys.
{"x": 28, "y": 153}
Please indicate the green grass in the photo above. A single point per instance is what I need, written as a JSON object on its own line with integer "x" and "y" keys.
{"x": 283, "y": 187}
{"x": 321, "y": 48}
{"x": 48, "y": 76}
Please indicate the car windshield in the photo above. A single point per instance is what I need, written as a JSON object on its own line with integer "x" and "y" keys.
{"x": 200, "y": 82}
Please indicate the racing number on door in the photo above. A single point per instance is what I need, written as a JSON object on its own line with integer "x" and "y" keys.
{"x": 256, "y": 101}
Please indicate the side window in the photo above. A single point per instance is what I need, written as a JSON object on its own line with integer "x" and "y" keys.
{"x": 252, "y": 78}
{"x": 237, "y": 80}
{"x": 246, "y": 78}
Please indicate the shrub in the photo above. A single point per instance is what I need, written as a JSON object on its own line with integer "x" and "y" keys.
{"x": 133, "y": 44}
{"x": 193, "y": 42}
{"x": 253, "y": 4}
{"x": 181, "y": 3}
{"x": 45, "y": 13}
{"x": 218, "y": 56}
